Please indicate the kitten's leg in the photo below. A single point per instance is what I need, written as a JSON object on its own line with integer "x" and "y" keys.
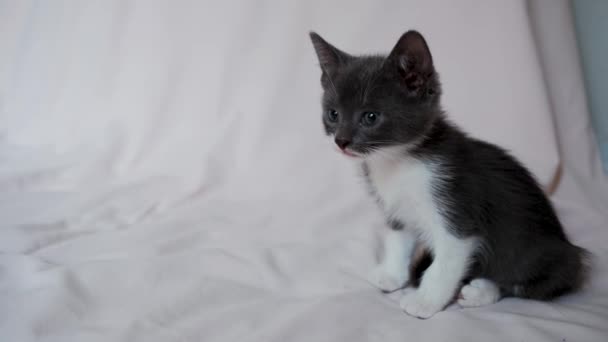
{"x": 478, "y": 292}
{"x": 441, "y": 280}
{"x": 393, "y": 271}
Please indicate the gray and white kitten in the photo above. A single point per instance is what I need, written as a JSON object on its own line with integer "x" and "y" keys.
{"x": 487, "y": 223}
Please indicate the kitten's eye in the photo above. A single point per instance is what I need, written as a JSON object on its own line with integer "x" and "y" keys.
{"x": 369, "y": 118}
{"x": 332, "y": 115}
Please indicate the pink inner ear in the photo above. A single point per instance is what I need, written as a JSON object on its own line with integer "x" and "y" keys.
{"x": 414, "y": 82}
{"x": 411, "y": 73}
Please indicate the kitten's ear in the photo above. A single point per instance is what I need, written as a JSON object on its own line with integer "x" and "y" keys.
{"x": 412, "y": 58}
{"x": 329, "y": 56}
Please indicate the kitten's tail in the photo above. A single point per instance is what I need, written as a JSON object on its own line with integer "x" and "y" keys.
{"x": 566, "y": 274}
{"x": 581, "y": 263}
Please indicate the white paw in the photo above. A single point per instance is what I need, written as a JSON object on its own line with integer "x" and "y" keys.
{"x": 385, "y": 281}
{"x": 415, "y": 304}
{"x": 478, "y": 292}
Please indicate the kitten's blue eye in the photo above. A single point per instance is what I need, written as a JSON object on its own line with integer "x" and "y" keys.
{"x": 369, "y": 118}
{"x": 332, "y": 115}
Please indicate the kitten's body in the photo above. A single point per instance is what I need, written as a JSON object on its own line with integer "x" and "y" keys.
{"x": 515, "y": 237}
{"x": 480, "y": 212}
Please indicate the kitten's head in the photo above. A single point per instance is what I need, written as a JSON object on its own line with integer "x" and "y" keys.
{"x": 374, "y": 102}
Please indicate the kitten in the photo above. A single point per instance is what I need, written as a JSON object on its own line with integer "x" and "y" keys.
{"x": 491, "y": 230}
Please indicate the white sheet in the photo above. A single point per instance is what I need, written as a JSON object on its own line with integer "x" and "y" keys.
{"x": 164, "y": 176}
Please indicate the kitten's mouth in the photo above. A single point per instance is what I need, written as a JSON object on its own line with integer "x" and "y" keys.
{"x": 349, "y": 153}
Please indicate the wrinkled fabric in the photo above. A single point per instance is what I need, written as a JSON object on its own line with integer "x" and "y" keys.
{"x": 164, "y": 175}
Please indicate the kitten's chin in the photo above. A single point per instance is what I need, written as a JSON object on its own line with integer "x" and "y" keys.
{"x": 394, "y": 152}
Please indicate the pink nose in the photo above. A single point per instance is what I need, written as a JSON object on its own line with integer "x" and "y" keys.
{"x": 342, "y": 143}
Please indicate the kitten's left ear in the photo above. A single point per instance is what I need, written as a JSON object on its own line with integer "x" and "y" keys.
{"x": 412, "y": 58}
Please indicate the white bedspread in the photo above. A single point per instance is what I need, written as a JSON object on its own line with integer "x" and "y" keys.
{"x": 164, "y": 177}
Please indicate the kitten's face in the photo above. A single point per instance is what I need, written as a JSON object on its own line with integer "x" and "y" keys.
{"x": 374, "y": 102}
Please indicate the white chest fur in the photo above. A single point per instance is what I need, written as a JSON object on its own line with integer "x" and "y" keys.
{"x": 404, "y": 185}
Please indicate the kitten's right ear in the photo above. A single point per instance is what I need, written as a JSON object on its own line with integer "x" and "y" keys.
{"x": 329, "y": 56}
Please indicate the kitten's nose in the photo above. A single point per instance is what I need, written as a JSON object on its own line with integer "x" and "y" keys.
{"x": 342, "y": 143}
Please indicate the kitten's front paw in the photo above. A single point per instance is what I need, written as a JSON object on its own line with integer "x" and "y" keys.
{"x": 415, "y": 304}
{"x": 385, "y": 281}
